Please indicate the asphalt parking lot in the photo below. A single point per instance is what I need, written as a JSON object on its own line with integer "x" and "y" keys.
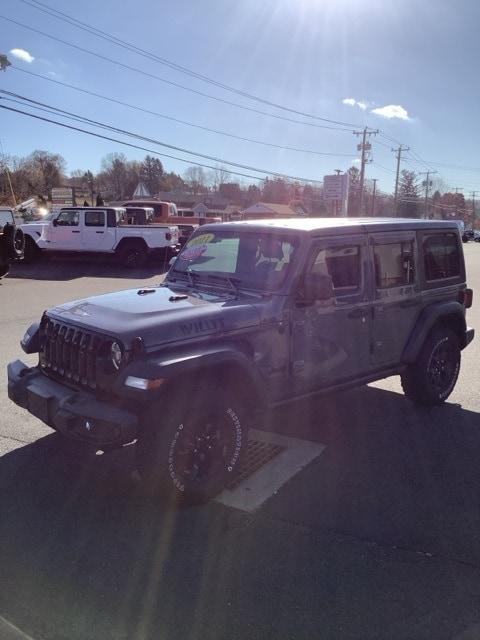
{"x": 378, "y": 537}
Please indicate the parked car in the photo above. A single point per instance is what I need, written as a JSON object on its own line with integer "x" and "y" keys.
{"x": 12, "y": 241}
{"x": 101, "y": 230}
{"x": 467, "y": 235}
{"x": 139, "y": 215}
{"x": 251, "y": 315}
{"x": 167, "y": 212}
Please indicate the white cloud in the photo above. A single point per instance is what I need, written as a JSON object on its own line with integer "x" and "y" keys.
{"x": 21, "y": 54}
{"x": 355, "y": 103}
{"x": 392, "y": 111}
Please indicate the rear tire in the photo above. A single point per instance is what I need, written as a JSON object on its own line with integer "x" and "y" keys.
{"x": 194, "y": 451}
{"x": 431, "y": 379}
{"x": 133, "y": 256}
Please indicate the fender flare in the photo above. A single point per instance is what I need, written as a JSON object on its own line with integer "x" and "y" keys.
{"x": 451, "y": 312}
{"x": 201, "y": 363}
{"x": 134, "y": 241}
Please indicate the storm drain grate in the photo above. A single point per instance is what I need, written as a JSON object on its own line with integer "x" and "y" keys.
{"x": 257, "y": 455}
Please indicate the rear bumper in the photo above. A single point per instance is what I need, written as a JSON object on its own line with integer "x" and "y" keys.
{"x": 76, "y": 414}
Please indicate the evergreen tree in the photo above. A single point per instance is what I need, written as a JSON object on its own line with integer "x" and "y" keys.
{"x": 408, "y": 195}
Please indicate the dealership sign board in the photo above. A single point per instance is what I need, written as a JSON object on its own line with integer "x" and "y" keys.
{"x": 335, "y": 187}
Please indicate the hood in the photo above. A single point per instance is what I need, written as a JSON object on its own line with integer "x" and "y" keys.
{"x": 159, "y": 314}
{"x": 34, "y": 229}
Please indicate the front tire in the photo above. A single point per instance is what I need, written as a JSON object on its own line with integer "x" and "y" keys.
{"x": 431, "y": 379}
{"x": 13, "y": 241}
{"x": 32, "y": 252}
{"x": 194, "y": 451}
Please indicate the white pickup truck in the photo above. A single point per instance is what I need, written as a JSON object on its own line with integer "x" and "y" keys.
{"x": 102, "y": 230}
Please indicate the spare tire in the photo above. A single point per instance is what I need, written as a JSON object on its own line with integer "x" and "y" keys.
{"x": 14, "y": 242}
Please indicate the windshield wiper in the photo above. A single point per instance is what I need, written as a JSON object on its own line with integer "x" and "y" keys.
{"x": 233, "y": 282}
{"x": 191, "y": 276}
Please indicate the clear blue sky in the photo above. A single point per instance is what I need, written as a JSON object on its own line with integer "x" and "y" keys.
{"x": 309, "y": 55}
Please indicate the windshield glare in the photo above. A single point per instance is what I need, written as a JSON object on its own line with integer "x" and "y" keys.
{"x": 254, "y": 260}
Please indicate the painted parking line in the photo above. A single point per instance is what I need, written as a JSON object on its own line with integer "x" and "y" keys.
{"x": 292, "y": 455}
{"x": 8, "y": 631}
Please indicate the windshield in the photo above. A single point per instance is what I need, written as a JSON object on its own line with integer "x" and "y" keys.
{"x": 254, "y": 260}
{"x": 5, "y": 216}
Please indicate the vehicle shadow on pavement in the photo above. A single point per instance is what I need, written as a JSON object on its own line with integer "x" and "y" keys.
{"x": 83, "y": 554}
{"x": 393, "y": 473}
{"x": 71, "y": 269}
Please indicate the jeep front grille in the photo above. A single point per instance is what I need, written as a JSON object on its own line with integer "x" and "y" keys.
{"x": 69, "y": 353}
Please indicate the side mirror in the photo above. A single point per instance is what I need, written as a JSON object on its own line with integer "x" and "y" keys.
{"x": 318, "y": 286}
{"x": 171, "y": 262}
{"x": 54, "y": 222}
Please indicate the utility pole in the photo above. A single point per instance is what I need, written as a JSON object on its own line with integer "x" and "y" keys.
{"x": 457, "y": 189}
{"x": 374, "y": 195}
{"x": 427, "y": 186}
{"x": 399, "y": 151}
{"x": 473, "y": 194}
{"x": 365, "y": 147}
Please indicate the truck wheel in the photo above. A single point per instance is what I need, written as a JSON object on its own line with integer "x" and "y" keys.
{"x": 194, "y": 452}
{"x": 133, "y": 257}
{"x": 14, "y": 240}
{"x": 32, "y": 252}
{"x": 431, "y": 379}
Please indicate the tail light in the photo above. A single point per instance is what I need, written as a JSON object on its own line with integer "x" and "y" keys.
{"x": 466, "y": 298}
{"x": 168, "y": 236}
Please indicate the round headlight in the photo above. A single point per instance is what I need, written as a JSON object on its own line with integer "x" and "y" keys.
{"x": 116, "y": 354}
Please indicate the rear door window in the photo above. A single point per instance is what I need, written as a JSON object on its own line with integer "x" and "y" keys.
{"x": 94, "y": 218}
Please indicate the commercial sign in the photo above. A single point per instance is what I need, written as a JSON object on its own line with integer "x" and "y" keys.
{"x": 335, "y": 187}
{"x": 62, "y": 197}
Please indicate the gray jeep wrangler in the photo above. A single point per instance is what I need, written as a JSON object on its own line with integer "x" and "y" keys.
{"x": 12, "y": 241}
{"x": 250, "y": 315}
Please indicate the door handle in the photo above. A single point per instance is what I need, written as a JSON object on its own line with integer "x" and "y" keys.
{"x": 75, "y": 231}
{"x": 99, "y": 232}
{"x": 357, "y": 313}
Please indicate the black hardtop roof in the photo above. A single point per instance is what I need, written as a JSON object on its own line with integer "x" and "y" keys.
{"x": 316, "y": 226}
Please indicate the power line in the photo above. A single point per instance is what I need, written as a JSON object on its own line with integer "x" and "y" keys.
{"x": 376, "y": 164}
{"x": 60, "y": 15}
{"x": 342, "y": 126}
{"x": 97, "y": 135}
{"x": 68, "y": 114}
{"x": 184, "y": 122}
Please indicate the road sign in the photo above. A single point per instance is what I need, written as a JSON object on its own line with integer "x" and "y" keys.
{"x": 335, "y": 187}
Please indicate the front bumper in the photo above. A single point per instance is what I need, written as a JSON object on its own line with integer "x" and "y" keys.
{"x": 76, "y": 414}
{"x": 469, "y": 335}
